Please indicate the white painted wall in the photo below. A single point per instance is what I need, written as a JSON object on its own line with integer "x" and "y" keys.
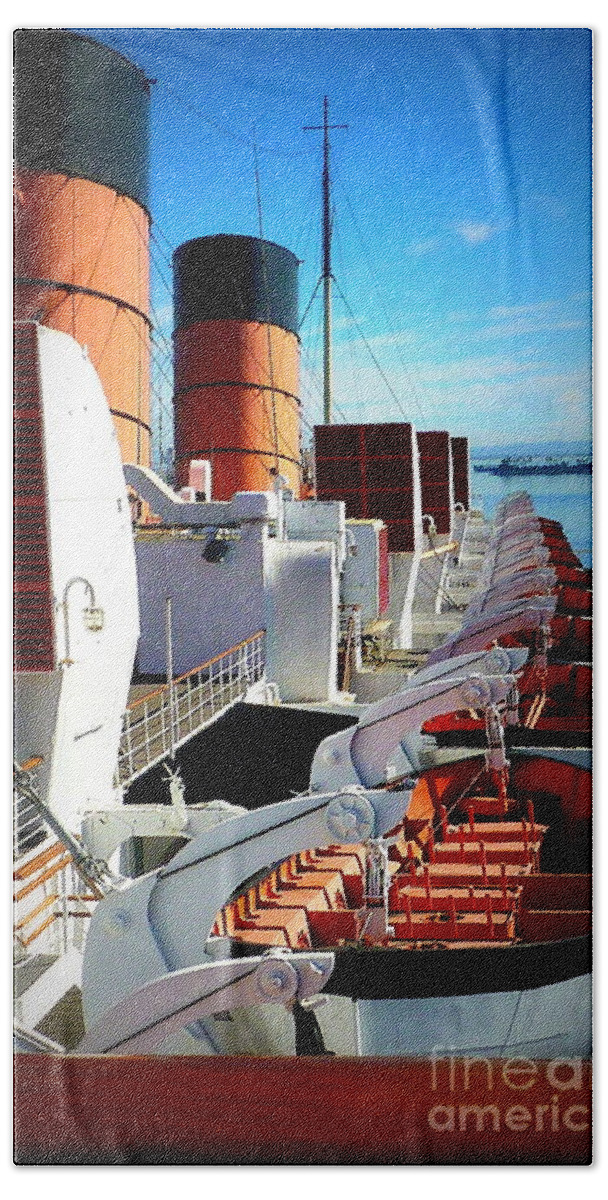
{"x": 359, "y": 584}
{"x": 317, "y": 520}
{"x": 302, "y": 596}
{"x": 215, "y": 605}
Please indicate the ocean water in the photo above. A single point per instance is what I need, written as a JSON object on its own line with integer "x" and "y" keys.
{"x": 563, "y": 498}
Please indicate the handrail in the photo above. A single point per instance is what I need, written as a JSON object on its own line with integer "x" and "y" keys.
{"x": 211, "y": 661}
{"x": 194, "y": 670}
{"x": 46, "y": 903}
{"x": 156, "y": 724}
{"x": 40, "y": 860}
{"x": 44, "y": 878}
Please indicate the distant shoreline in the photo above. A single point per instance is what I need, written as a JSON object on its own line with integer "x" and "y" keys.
{"x": 508, "y": 467}
{"x": 580, "y": 448}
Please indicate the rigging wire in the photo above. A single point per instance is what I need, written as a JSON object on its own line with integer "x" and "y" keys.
{"x": 146, "y": 244}
{"x": 238, "y": 139}
{"x": 308, "y": 354}
{"x": 349, "y": 341}
{"x": 309, "y": 305}
{"x": 309, "y": 226}
{"x": 371, "y": 352}
{"x": 380, "y": 298}
{"x": 437, "y": 588}
{"x": 273, "y": 401}
{"x": 161, "y": 251}
{"x": 160, "y": 229}
{"x": 180, "y": 55}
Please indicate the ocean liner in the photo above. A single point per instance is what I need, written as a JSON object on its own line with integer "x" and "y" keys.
{"x": 301, "y": 765}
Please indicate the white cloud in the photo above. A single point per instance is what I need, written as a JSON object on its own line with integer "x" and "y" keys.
{"x": 340, "y": 323}
{"x": 482, "y": 367}
{"x": 523, "y": 309}
{"x": 523, "y": 325}
{"x": 424, "y": 247}
{"x": 548, "y": 206}
{"x": 475, "y": 232}
{"x": 574, "y": 397}
{"x": 461, "y": 317}
{"x": 485, "y": 397}
{"x": 401, "y": 337}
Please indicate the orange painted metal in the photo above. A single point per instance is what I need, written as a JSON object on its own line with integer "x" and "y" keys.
{"x": 44, "y": 878}
{"x": 87, "y": 248}
{"x": 236, "y": 404}
{"x": 35, "y": 864}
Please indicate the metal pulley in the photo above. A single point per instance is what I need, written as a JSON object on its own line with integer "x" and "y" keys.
{"x": 276, "y": 979}
{"x": 350, "y": 818}
{"x": 496, "y": 759}
{"x": 542, "y": 645}
{"x": 376, "y": 927}
{"x": 512, "y": 706}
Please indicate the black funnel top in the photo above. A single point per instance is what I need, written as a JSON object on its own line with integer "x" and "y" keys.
{"x": 228, "y": 277}
{"x": 81, "y": 110}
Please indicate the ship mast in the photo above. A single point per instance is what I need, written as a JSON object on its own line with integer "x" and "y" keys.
{"x": 326, "y": 274}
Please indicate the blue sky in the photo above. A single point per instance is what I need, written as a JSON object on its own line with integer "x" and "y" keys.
{"x": 462, "y": 207}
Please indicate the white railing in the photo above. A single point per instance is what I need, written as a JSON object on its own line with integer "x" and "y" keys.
{"x": 51, "y": 903}
{"x": 52, "y": 907}
{"x": 155, "y": 725}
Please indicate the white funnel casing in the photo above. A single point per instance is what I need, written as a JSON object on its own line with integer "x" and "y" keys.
{"x": 72, "y": 716}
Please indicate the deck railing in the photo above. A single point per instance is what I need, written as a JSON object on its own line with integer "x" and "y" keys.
{"x": 155, "y": 725}
{"x": 50, "y": 903}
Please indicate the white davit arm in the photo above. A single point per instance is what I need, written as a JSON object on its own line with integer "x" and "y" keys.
{"x": 500, "y": 660}
{"x": 166, "y": 1005}
{"x": 481, "y": 633}
{"x": 518, "y": 585}
{"x": 545, "y": 604}
{"x": 501, "y": 605}
{"x": 363, "y": 754}
{"x": 518, "y": 504}
{"x": 501, "y": 565}
{"x": 520, "y": 534}
{"x": 161, "y": 922}
{"x": 520, "y": 559}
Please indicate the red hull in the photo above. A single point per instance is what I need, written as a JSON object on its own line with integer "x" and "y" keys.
{"x": 243, "y": 1110}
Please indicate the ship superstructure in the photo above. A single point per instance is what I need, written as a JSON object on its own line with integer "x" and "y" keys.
{"x": 268, "y": 745}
